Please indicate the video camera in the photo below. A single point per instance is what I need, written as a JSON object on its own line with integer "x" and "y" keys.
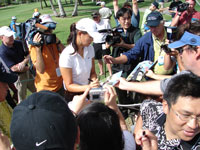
{"x": 182, "y": 7}
{"x": 113, "y": 36}
{"x": 32, "y": 26}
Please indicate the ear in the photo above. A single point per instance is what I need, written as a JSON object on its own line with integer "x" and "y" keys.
{"x": 165, "y": 107}
{"x": 198, "y": 53}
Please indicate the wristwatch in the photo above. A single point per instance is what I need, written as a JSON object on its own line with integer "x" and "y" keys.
{"x": 179, "y": 13}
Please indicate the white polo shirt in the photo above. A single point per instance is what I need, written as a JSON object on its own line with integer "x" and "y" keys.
{"x": 81, "y": 67}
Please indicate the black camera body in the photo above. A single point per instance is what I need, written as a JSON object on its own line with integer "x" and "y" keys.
{"x": 48, "y": 39}
{"x": 165, "y": 48}
{"x": 113, "y": 36}
{"x": 182, "y": 7}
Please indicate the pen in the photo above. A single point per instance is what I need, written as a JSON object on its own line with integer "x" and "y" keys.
{"x": 90, "y": 80}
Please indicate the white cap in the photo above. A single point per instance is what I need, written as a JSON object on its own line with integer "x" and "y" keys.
{"x": 6, "y": 31}
{"x": 36, "y": 14}
{"x": 103, "y": 3}
{"x": 87, "y": 25}
{"x": 14, "y": 18}
{"x": 46, "y": 18}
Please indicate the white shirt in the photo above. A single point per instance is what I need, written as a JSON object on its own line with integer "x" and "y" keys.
{"x": 81, "y": 67}
{"x": 105, "y": 12}
{"x": 103, "y": 24}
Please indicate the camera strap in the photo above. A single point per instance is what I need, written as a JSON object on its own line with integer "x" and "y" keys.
{"x": 51, "y": 50}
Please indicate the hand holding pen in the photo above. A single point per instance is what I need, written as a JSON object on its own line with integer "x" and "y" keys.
{"x": 147, "y": 140}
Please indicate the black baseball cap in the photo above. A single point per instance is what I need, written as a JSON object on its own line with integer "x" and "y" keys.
{"x": 43, "y": 121}
{"x": 154, "y": 18}
{"x": 95, "y": 14}
{"x": 155, "y": 4}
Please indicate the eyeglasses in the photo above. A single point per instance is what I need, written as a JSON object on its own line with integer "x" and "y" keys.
{"x": 186, "y": 118}
{"x": 181, "y": 49}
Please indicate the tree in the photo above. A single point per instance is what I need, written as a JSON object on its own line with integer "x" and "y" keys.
{"x": 75, "y": 12}
{"x": 53, "y": 8}
{"x": 61, "y": 9}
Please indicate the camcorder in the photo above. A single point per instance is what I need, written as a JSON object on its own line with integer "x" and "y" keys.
{"x": 182, "y": 7}
{"x": 171, "y": 34}
{"x": 33, "y": 26}
{"x": 113, "y": 36}
{"x": 97, "y": 94}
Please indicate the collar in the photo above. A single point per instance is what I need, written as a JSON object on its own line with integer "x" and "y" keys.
{"x": 157, "y": 39}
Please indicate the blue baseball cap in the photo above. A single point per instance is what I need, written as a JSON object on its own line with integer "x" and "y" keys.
{"x": 186, "y": 39}
{"x": 154, "y": 18}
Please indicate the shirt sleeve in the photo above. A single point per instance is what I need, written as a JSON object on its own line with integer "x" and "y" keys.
{"x": 65, "y": 60}
{"x": 135, "y": 20}
{"x": 134, "y": 53}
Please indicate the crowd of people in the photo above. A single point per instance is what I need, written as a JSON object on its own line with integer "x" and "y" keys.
{"x": 59, "y": 113}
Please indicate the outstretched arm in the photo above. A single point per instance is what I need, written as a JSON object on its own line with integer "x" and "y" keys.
{"x": 148, "y": 87}
{"x": 115, "y": 6}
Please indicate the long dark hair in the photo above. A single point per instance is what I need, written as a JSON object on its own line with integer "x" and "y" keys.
{"x": 72, "y": 37}
{"x": 99, "y": 128}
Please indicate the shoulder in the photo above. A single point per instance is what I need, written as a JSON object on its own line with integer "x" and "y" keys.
{"x": 68, "y": 50}
{"x": 164, "y": 83}
{"x": 151, "y": 107}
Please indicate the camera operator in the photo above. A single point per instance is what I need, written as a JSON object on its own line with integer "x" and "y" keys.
{"x": 44, "y": 54}
{"x": 185, "y": 13}
{"x": 99, "y": 42}
{"x": 129, "y": 36}
{"x": 173, "y": 7}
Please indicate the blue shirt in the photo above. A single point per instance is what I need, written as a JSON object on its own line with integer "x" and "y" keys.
{"x": 14, "y": 55}
{"x": 11, "y": 25}
{"x": 143, "y": 49}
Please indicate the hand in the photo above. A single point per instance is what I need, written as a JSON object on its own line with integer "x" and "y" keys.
{"x": 108, "y": 59}
{"x": 119, "y": 44}
{"x": 150, "y": 74}
{"x": 107, "y": 45}
{"x": 122, "y": 84}
{"x": 79, "y": 102}
{"x": 4, "y": 142}
{"x": 147, "y": 141}
{"x": 173, "y": 52}
{"x": 94, "y": 84}
{"x": 110, "y": 97}
{"x": 37, "y": 38}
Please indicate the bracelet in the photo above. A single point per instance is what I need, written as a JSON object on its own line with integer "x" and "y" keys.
{"x": 179, "y": 13}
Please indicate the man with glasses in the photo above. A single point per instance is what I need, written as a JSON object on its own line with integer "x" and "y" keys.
{"x": 176, "y": 121}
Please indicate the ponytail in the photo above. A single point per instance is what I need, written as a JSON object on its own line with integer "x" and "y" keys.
{"x": 72, "y": 38}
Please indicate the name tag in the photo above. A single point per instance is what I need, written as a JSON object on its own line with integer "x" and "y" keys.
{"x": 58, "y": 72}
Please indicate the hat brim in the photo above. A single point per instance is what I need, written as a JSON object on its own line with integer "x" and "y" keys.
{"x": 8, "y": 78}
{"x": 153, "y": 23}
{"x": 93, "y": 34}
{"x": 176, "y": 44}
{"x": 9, "y": 34}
